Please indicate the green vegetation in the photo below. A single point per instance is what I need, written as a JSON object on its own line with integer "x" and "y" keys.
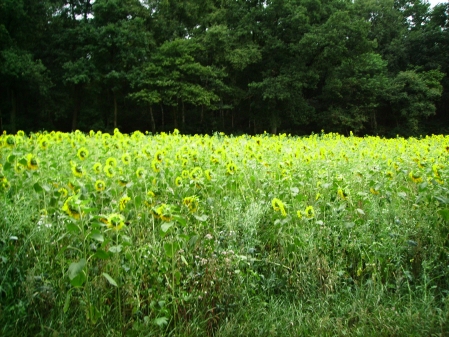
{"x": 173, "y": 235}
{"x": 375, "y": 67}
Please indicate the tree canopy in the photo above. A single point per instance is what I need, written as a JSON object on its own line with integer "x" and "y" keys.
{"x": 240, "y": 66}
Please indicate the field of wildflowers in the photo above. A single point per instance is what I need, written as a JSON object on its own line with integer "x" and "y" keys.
{"x": 169, "y": 234}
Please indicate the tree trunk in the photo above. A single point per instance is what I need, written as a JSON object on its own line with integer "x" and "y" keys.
{"x": 115, "y": 109}
{"x": 374, "y": 122}
{"x": 163, "y": 119}
{"x": 13, "y": 112}
{"x": 202, "y": 113}
{"x": 76, "y": 106}
{"x": 183, "y": 114}
{"x": 153, "y": 125}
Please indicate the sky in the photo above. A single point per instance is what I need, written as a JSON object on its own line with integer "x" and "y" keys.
{"x": 436, "y": 2}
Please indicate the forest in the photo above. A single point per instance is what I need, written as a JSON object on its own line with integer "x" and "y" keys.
{"x": 373, "y": 67}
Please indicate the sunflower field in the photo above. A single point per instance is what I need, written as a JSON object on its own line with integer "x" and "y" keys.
{"x": 270, "y": 235}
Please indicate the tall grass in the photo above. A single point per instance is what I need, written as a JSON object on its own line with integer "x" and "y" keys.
{"x": 174, "y": 235}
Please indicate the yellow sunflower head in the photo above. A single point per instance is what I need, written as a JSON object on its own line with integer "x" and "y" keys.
{"x": 32, "y": 162}
{"x": 100, "y": 185}
{"x": 231, "y": 168}
{"x": 126, "y": 159}
{"x": 82, "y": 153}
{"x": 278, "y": 206}
{"x": 109, "y": 170}
{"x": 77, "y": 170}
{"x": 191, "y": 203}
{"x": 309, "y": 212}
{"x": 111, "y": 161}
{"x": 97, "y": 168}
{"x": 141, "y": 173}
{"x": 72, "y": 207}
{"x": 123, "y": 201}
{"x": 178, "y": 182}
{"x": 115, "y": 221}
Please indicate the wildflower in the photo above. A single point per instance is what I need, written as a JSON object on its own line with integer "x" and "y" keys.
{"x": 178, "y": 182}
{"x": 115, "y": 221}
{"x": 82, "y": 153}
{"x": 126, "y": 158}
{"x": 123, "y": 201}
{"x": 278, "y": 205}
{"x": 32, "y": 162}
{"x": 191, "y": 203}
{"x": 71, "y": 207}
{"x": 231, "y": 168}
{"x": 109, "y": 171}
{"x": 309, "y": 212}
{"x": 100, "y": 185}
{"x": 97, "y": 168}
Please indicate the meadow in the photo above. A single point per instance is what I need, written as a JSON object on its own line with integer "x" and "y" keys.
{"x": 270, "y": 235}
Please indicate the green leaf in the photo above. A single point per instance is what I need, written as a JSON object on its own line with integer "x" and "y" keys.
{"x": 110, "y": 279}
{"x": 67, "y": 301}
{"x": 201, "y": 218}
{"x": 11, "y": 159}
{"x": 37, "y": 188}
{"x": 360, "y": 211}
{"x": 23, "y": 161}
{"x": 171, "y": 248}
{"x": 101, "y": 254}
{"x": 161, "y": 321}
{"x": 71, "y": 227}
{"x": 76, "y": 273}
{"x": 166, "y": 226}
{"x": 96, "y": 235}
{"x": 115, "y": 249}
{"x": 7, "y": 166}
{"x": 444, "y": 214}
{"x": 179, "y": 219}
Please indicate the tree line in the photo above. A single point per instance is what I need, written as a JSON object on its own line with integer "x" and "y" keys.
{"x": 238, "y": 66}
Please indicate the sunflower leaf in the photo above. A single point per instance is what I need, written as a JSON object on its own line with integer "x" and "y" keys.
{"x": 110, "y": 279}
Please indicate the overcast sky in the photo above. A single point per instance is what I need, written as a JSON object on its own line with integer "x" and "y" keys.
{"x": 435, "y": 2}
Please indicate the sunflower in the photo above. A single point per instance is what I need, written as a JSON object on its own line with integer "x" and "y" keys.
{"x": 178, "y": 182}
{"x": 4, "y": 185}
{"x": 208, "y": 174}
{"x": 44, "y": 142}
{"x": 97, "y": 168}
{"x": 141, "y": 172}
{"x": 111, "y": 161}
{"x": 150, "y": 199}
{"x": 82, "y": 153}
{"x": 100, "y": 185}
{"x": 77, "y": 170}
{"x": 163, "y": 212}
{"x": 278, "y": 206}
{"x": 71, "y": 207}
{"x": 196, "y": 173}
{"x": 63, "y": 192}
{"x": 19, "y": 168}
{"x": 109, "y": 170}
{"x": 374, "y": 191}
{"x": 123, "y": 181}
{"x": 191, "y": 203}
{"x": 415, "y": 177}
{"x": 156, "y": 165}
{"x": 115, "y": 221}
{"x": 10, "y": 141}
{"x": 32, "y": 162}
{"x": 299, "y": 214}
{"x": 309, "y": 212}
{"x": 126, "y": 159}
{"x": 231, "y": 168}
{"x": 123, "y": 201}
{"x": 342, "y": 194}
{"x": 159, "y": 156}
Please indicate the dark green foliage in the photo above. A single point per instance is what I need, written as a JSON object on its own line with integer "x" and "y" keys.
{"x": 294, "y": 66}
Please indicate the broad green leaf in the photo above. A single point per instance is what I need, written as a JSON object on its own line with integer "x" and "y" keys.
{"x": 201, "y": 218}
{"x": 110, "y": 279}
{"x": 37, "y": 188}
{"x": 115, "y": 249}
{"x": 96, "y": 235}
{"x": 171, "y": 248}
{"x": 161, "y": 321}
{"x": 101, "y": 254}
{"x": 166, "y": 226}
{"x": 444, "y": 214}
{"x": 76, "y": 268}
